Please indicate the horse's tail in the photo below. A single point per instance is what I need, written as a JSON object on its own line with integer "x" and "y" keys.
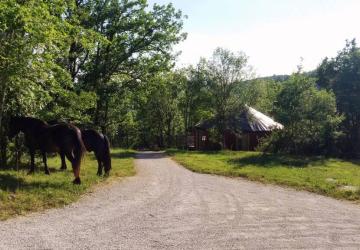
{"x": 107, "y": 157}
{"x": 78, "y": 152}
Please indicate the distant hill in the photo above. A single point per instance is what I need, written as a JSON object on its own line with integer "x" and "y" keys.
{"x": 276, "y": 78}
{"x": 282, "y": 78}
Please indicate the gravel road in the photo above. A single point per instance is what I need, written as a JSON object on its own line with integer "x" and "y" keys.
{"x": 168, "y": 207}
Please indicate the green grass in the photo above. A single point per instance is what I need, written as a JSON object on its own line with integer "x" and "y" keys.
{"x": 332, "y": 177}
{"x": 21, "y": 193}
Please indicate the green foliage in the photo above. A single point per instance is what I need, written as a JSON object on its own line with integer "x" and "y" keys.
{"x": 309, "y": 116}
{"x": 138, "y": 44}
{"x": 33, "y": 36}
{"x": 259, "y": 93}
{"x": 80, "y": 60}
{"x": 70, "y": 106}
{"x": 225, "y": 70}
{"x": 109, "y": 65}
{"x": 158, "y": 114}
{"x": 194, "y": 96}
{"x": 342, "y": 76}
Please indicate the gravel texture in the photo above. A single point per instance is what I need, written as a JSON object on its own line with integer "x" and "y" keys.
{"x": 168, "y": 207}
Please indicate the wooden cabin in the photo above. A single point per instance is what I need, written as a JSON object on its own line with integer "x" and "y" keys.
{"x": 243, "y": 131}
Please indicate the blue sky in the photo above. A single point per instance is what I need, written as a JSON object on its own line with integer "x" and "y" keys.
{"x": 275, "y": 34}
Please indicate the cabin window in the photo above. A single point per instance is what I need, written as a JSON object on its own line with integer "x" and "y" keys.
{"x": 203, "y": 138}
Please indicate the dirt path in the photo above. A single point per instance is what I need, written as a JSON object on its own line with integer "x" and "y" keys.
{"x": 166, "y": 206}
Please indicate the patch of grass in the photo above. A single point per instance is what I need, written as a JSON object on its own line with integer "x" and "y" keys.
{"x": 332, "y": 177}
{"x": 21, "y": 193}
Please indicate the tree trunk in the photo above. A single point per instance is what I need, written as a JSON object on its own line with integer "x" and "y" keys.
{"x": 3, "y": 139}
{"x": 106, "y": 115}
{"x": 2, "y": 104}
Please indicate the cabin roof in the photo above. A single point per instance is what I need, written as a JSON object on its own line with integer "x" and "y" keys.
{"x": 250, "y": 120}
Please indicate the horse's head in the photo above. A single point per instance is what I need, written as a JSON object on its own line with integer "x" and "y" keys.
{"x": 107, "y": 166}
{"x": 14, "y": 126}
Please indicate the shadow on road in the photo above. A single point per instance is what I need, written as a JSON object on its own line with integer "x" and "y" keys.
{"x": 151, "y": 155}
{"x": 121, "y": 155}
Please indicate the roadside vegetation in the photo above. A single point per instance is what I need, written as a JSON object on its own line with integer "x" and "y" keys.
{"x": 327, "y": 176}
{"x": 21, "y": 193}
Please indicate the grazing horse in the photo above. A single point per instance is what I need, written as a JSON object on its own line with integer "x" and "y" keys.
{"x": 47, "y": 138}
{"x": 99, "y": 143}
{"x": 96, "y": 142}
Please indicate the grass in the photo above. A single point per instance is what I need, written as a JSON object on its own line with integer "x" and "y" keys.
{"x": 327, "y": 176}
{"x": 21, "y": 193}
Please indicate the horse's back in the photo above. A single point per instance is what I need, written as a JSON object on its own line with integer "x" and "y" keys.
{"x": 61, "y": 134}
{"x": 58, "y": 137}
{"x": 93, "y": 140}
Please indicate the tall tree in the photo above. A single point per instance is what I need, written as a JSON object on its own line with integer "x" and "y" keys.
{"x": 342, "y": 75}
{"x": 158, "y": 110}
{"x": 32, "y": 35}
{"x": 138, "y": 41}
{"x": 194, "y": 98}
{"x": 225, "y": 70}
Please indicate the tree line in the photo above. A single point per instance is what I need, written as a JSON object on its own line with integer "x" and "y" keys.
{"x": 77, "y": 59}
{"x": 110, "y": 65}
{"x": 319, "y": 109}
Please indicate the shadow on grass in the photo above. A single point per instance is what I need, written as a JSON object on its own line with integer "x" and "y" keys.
{"x": 270, "y": 160}
{"x": 38, "y": 168}
{"x": 11, "y": 183}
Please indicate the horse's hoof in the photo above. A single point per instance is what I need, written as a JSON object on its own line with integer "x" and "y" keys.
{"x": 77, "y": 181}
{"x": 98, "y": 173}
{"x": 47, "y": 172}
{"x": 107, "y": 174}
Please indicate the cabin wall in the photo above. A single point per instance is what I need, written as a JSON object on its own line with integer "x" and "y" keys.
{"x": 249, "y": 141}
{"x": 199, "y": 140}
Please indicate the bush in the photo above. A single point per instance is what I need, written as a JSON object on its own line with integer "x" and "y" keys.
{"x": 309, "y": 116}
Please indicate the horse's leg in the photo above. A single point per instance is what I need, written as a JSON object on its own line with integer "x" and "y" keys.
{"x": 45, "y": 163}
{"x": 100, "y": 166}
{"x": 32, "y": 164}
{"x": 63, "y": 161}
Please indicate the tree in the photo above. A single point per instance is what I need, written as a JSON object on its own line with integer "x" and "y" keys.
{"x": 225, "y": 71}
{"x": 194, "y": 97}
{"x": 259, "y": 93}
{"x": 138, "y": 42}
{"x": 32, "y": 35}
{"x": 342, "y": 76}
{"x": 309, "y": 116}
{"x": 81, "y": 60}
{"x": 158, "y": 113}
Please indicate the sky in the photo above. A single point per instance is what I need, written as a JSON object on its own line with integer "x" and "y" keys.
{"x": 276, "y": 35}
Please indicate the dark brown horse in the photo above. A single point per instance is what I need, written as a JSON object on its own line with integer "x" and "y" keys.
{"x": 99, "y": 143}
{"x": 47, "y": 138}
{"x": 94, "y": 142}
